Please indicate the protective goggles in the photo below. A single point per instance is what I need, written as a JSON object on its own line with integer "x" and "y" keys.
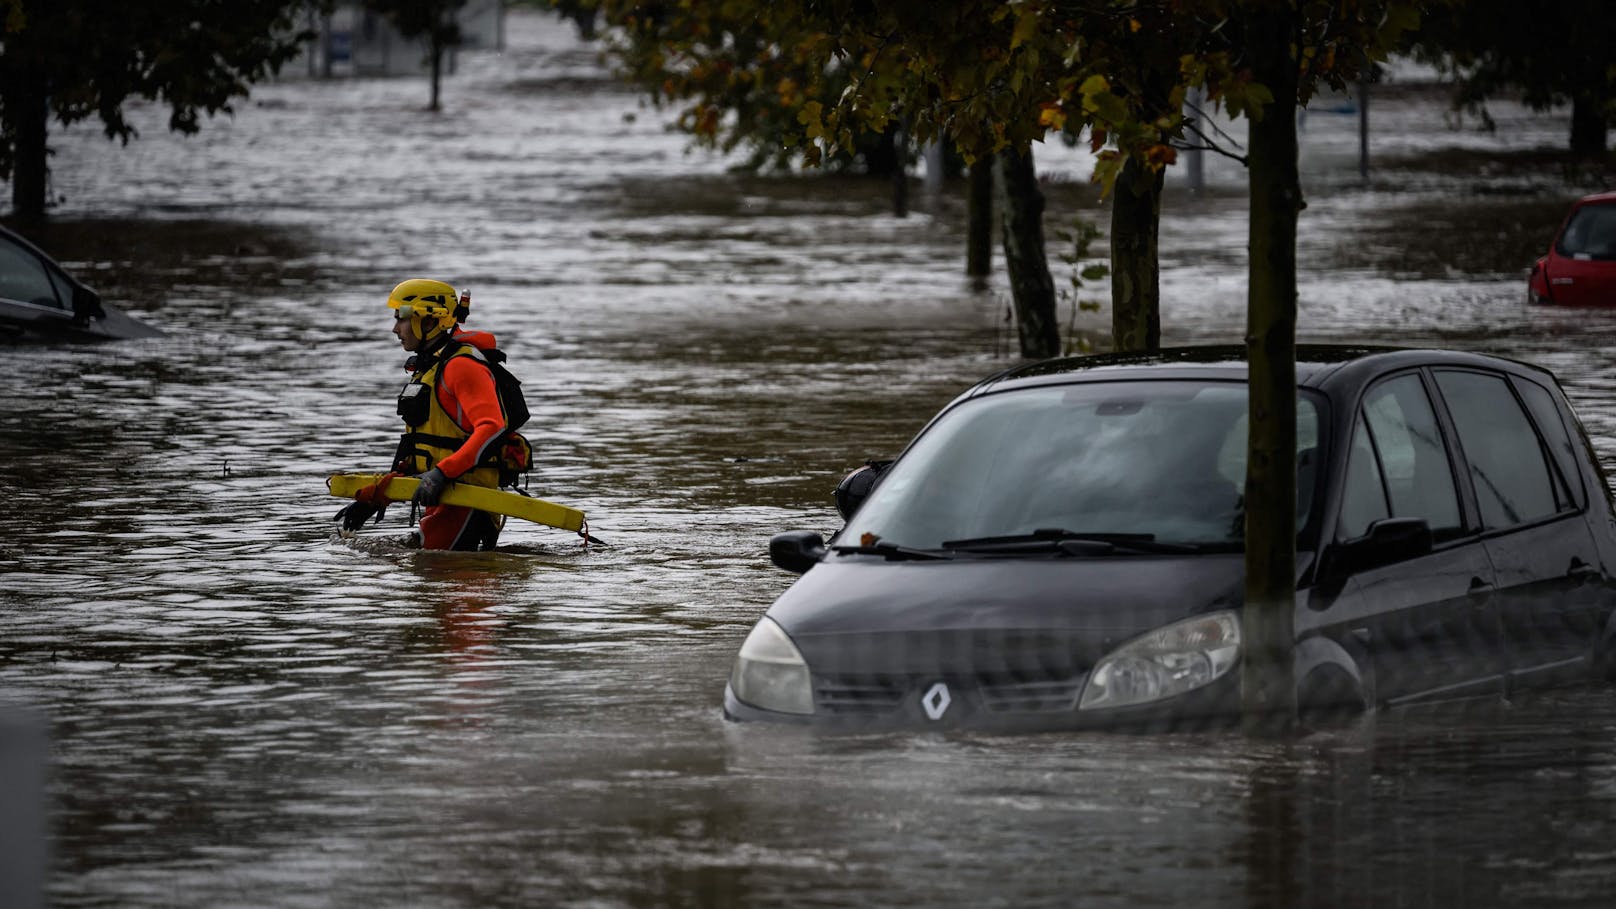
{"x": 406, "y": 311}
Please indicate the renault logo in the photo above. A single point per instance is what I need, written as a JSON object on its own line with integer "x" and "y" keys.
{"x": 936, "y": 701}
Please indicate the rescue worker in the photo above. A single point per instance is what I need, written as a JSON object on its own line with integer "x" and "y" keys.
{"x": 451, "y": 408}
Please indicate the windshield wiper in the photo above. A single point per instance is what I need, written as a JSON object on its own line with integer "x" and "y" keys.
{"x": 1052, "y": 538}
{"x": 893, "y": 552}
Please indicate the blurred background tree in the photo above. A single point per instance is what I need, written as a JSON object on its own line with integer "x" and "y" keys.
{"x": 1548, "y": 54}
{"x": 431, "y": 21}
{"x": 87, "y": 58}
{"x": 738, "y": 75}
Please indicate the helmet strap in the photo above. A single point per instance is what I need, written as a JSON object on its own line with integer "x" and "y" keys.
{"x": 434, "y": 342}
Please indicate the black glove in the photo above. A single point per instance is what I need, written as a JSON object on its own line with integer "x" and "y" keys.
{"x": 433, "y": 483}
{"x": 355, "y": 515}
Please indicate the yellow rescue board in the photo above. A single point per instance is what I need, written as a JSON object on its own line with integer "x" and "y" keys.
{"x": 510, "y": 504}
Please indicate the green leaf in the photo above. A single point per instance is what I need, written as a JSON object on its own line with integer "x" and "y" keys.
{"x": 1107, "y": 107}
{"x": 1026, "y": 26}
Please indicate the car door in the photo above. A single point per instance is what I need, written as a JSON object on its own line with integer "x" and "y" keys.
{"x": 1545, "y": 562}
{"x": 1427, "y": 623}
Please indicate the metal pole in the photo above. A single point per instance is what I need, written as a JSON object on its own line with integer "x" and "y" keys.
{"x": 934, "y": 167}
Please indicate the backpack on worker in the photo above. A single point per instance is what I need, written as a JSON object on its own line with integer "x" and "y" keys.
{"x": 513, "y": 450}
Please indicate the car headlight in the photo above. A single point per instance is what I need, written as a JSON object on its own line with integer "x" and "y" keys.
{"x": 1169, "y": 661}
{"x": 770, "y": 673}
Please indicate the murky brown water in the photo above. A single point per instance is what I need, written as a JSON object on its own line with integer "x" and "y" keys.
{"x": 245, "y": 711}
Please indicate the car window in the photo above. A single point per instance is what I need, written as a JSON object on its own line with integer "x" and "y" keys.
{"x": 1363, "y": 496}
{"x": 1413, "y": 459}
{"x": 1159, "y": 458}
{"x": 1232, "y": 455}
{"x": 1511, "y": 476}
{"x": 1590, "y": 233}
{"x": 1551, "y": 422}
{"x": 23, "y": 277}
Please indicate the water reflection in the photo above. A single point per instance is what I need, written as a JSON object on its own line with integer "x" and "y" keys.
{"x": 248, "y": 710}
{"x": 1333, "y": 825}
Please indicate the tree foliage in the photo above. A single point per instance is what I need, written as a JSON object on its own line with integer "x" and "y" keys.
{"x": 85, "y": 59}
{"x": 992, "y": 73}
{"x": 1548, "y": 54}
{"x": 739, "y": 74}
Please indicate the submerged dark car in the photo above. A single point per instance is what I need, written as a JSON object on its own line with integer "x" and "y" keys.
{"x": 39, "y": 300}
{"x": 1062, "y": 547}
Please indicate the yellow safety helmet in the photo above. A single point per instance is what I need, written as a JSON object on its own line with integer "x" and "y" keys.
{"x": 429, "y": 305}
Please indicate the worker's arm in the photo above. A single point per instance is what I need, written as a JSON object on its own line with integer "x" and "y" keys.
{"x": 467, "y": 394}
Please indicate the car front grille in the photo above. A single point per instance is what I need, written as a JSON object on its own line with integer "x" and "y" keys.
{"x": 859, "y": 697}
{"x": 1051, "y": 696}
{"x": 874, "y": 696}
{"x": 989, "y": 672}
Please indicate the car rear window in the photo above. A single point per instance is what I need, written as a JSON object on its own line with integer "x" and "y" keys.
{"x": 1590, "y": 233}
{"x": 1513, "y": 481}
{"x": 1552, "y": 423}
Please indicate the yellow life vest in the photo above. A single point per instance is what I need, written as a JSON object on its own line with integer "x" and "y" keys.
{"x": 432, "y": 434}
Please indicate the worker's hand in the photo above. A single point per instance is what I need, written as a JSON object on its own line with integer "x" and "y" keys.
{"x": 375, "y": 493}
{"x": 356, "y": 514}
{"x": 433, "y": 483}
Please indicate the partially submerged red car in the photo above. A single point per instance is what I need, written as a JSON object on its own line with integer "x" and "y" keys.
{"x": 1580, "y": 269}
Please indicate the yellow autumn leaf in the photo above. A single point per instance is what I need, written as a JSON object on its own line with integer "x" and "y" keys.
{"x": 1107, "y": 166}
{"x": 1026, "y": 27}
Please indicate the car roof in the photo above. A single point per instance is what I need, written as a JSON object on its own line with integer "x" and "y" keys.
{"x": 25, "y": 243}
{"x": 1318, "y": 366}
{"x": 1603, "y": 198}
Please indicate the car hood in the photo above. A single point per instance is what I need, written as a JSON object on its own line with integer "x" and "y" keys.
{"x": 863, "y": 614}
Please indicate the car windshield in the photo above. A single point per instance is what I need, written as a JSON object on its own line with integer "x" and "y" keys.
{"x": 1156, "y": 461}
{"x": 1590, "y": 234}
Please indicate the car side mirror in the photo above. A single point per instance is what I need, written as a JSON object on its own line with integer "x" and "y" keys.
{"x": 796, "y": 550}
{"x": 87, "y": 305}
{"x": 1388, "y": 541}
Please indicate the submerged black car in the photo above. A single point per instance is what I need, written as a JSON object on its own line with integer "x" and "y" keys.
{"x": 1062, "y": 547}
{"x": 39, "y": 300}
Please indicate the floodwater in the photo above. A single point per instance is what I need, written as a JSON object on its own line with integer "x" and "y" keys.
{"x": 244, "y": 710}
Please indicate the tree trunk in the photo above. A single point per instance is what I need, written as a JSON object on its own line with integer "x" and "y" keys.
{"x": 437, "y": 73}
{"x": 979, "y": 220}
{"x": 1135, "y": 267}
{"x": 1588, "y": 125}
{"x": 900, "y": 173}
{"x": 27, "y": 114}
{"x": 1031, "y": 287}
{"x": 585, "y": 20}
{"x": 1267, "y": 686}
{"x": 880, "y": 154}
